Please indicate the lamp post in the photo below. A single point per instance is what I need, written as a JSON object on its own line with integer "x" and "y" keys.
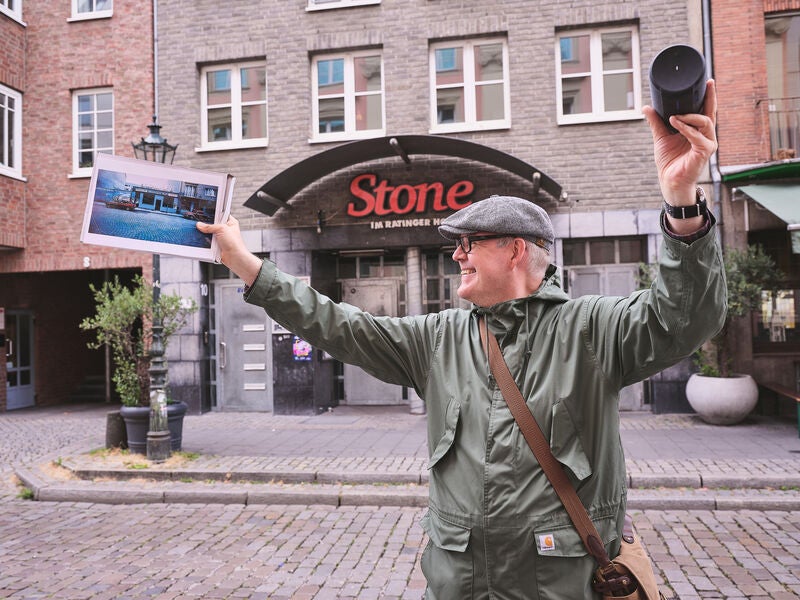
{"x": 156, "y": 149}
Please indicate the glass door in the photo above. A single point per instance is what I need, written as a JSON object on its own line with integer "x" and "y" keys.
{"x": 19, "y": 359}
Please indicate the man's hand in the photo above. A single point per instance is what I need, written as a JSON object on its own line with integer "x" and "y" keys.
{"x": 681, "y": 157}
{"x": 233, "y": 252}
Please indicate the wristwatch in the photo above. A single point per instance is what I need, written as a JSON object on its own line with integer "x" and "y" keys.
{"x": 687, "y": 212}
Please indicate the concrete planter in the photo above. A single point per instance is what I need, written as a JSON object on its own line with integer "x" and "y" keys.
{"x": 137, "y": 423}
{"x": 722, "y": 400}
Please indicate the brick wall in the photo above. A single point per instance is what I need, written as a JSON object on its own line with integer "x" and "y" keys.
{"x": 61, "y": 56}
{"x": 12, "y": 75}
{"x": 740, "y": 69}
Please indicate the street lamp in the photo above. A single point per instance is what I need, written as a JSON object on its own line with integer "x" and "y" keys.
{"x": 156, "y": 149}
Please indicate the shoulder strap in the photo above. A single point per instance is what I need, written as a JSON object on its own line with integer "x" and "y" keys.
{"x": 541, "y": 448}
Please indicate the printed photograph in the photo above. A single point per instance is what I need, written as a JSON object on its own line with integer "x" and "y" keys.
{"x": 148, "y": 206}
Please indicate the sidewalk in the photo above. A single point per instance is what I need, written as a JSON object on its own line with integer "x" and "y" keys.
{"x": 378, "y": 455}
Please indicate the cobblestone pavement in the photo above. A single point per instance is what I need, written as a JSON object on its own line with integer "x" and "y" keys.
{"x": 84, "y": 550}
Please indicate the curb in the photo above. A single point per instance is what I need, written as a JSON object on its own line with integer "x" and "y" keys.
{"x": 372, "y": 489}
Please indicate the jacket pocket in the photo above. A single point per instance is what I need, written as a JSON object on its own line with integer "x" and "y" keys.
{"x": 565, "y": 442}
{"x": 446, "y": 561}
{"x": 448, "y": 437}
{"x": 564, "y": 568}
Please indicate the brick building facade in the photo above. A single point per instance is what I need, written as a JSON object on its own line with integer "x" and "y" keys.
{"x": 756, "y": 62}
{"x": 62, "y": 69}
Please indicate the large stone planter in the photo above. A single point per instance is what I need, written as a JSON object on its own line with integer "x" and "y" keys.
{"x": 722, "y": 400}
{"x": 137, "y": 423}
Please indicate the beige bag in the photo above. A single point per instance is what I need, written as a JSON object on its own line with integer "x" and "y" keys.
{"x": 630, "y": 575}
{"x": 633, "y": 563}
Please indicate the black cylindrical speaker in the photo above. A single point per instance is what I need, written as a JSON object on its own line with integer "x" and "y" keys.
{"x": 677, "y": 82}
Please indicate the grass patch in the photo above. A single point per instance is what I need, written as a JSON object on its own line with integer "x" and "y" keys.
{"x": 25, "y": 494}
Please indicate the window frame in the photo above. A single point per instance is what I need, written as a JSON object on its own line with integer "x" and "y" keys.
{"x": 331, "y": 4}
{"x": 92, "y": 14}
{"x": 349, "y": 94}
{"x": 470, "y": 86}
{"x": 236, "y": 104}
{"x": 14, "y": 13}
{"x": 16, "y": 171}
{"x": 596, "y": 73}
{"x": 77, "y": 170}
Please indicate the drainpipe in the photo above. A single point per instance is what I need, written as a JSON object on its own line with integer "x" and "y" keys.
{"x": 414, "y": 307}
{"x": 713, "y": 162}
{"x": 155, "y": 57}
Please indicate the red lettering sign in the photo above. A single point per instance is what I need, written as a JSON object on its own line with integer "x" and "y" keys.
{"x": 374, "y": 197}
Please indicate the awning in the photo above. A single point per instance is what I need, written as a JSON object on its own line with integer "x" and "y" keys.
{"x": 781, "y": 199}
{"x": 277, "y": 192}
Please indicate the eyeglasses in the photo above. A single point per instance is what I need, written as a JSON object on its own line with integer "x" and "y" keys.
{"x": 466, "y": 241}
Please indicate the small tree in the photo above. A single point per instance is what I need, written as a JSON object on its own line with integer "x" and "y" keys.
{"x": 123, "y": 319}
{"x": 747, "y": 272}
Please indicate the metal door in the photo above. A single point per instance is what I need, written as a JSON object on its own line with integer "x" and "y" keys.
{"x": 244, "y": 352}
{"x": 19, "y": 359}
{"x": 612, "y": 280}
{"x": 378, "y": 297}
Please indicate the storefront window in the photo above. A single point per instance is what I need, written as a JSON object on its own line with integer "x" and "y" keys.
{"x": 441, "y": 280}
{"x": 775, "y": 324}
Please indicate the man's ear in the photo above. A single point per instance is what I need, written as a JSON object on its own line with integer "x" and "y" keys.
{"x": 519, "y": 251}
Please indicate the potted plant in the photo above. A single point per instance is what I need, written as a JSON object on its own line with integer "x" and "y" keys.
{"x": 124, "y": 319}
{"x": 717, "y": 394}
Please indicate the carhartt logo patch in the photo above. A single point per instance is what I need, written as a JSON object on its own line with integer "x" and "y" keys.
{"x": 547, "y": 542}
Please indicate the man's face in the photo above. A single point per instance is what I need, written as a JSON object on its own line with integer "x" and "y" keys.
{"x": 485, "y": 270}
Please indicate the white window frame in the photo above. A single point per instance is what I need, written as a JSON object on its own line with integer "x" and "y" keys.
{"x": 599, "y": 114}
{"x": 350, "y": 132}
{"x": 236, "y": 104}
{"x": 92, "y": 14}
{"x": 16, "y": 171}
{"x": 14, "y": 13}
{"x": 77, "y": 170}
{"x": 330, "y": 4}
{"x": 470, "y": 106}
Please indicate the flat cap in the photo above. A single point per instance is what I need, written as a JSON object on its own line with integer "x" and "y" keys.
{"x": 501, "y": 214}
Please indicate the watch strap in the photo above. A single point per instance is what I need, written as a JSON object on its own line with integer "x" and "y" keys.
{"x": 699, "y": 208}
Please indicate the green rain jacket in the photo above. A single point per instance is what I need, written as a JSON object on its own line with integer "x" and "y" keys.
{"x": 496, "y": 527}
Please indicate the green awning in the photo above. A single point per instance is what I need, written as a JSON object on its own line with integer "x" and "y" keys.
{"x": 781, "y": 199}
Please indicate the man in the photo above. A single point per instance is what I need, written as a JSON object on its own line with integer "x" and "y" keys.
{"x": 496, "y": 527}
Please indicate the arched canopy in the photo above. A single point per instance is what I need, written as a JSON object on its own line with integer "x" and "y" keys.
{"x": 277, "y": 192}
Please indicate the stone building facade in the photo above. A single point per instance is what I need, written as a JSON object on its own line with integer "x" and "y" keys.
{"x": 318, "y": 151}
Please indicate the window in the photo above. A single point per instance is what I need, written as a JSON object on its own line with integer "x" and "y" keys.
{"x": 12, "y": 8}
{"x": 469, "y": 85}
{"x": 441, "y": 280}
{"x": 93, "y": 127}
{"x": 234, "y": 106}
{"x": 348, "y": 96}
{"x": 91, "y": 9}
{"x": 604, "y": 265}
{"x": 10, "y": 132}
{"x": 775, "y": 324}
{"x": 783, "y": 84}
{"x": 326, "y": 4}
{"x": 597, "y": 75}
